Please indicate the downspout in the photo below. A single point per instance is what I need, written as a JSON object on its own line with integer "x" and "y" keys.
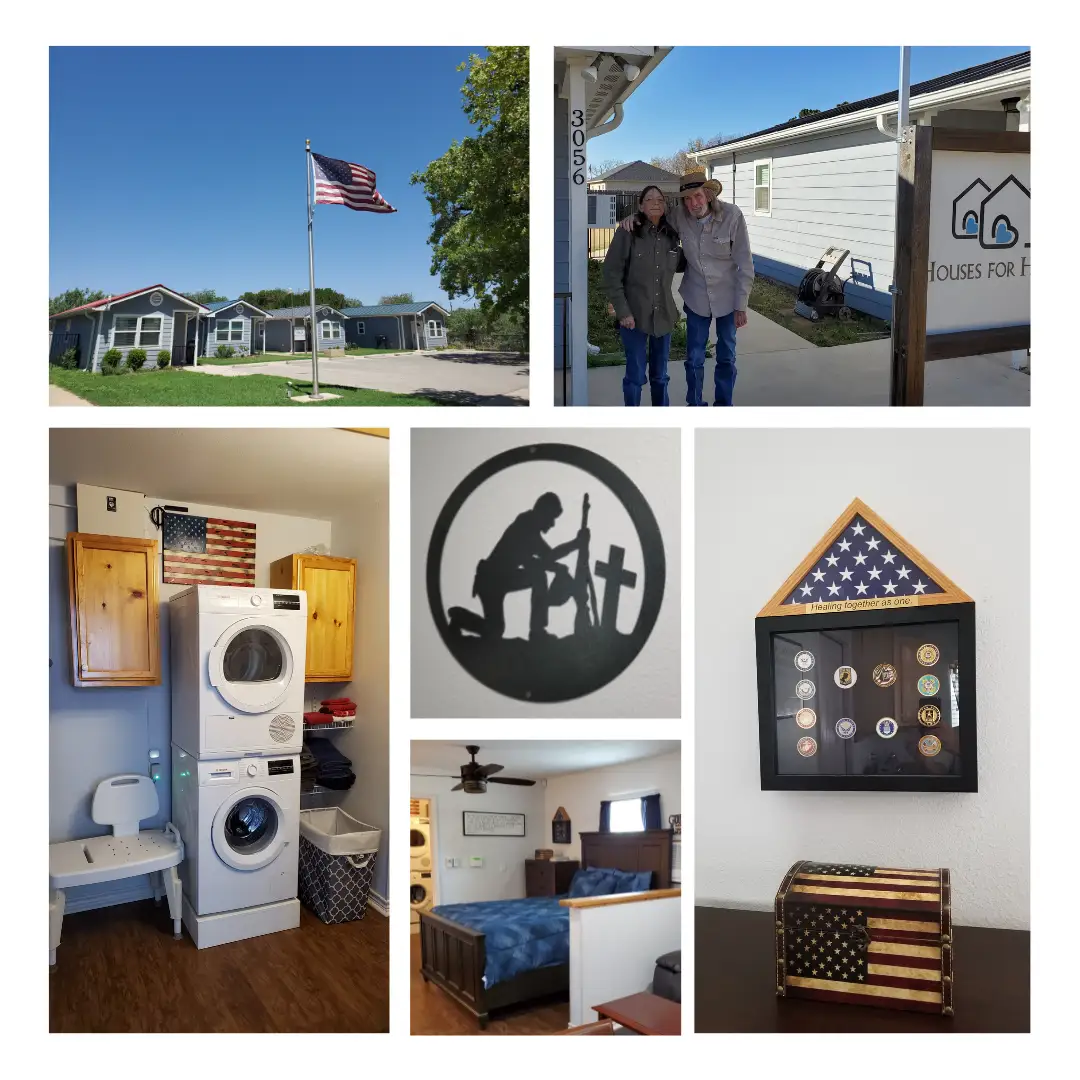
{"x": 883, "y": 127}
{"x": 610, "y": 125}
{"x": 97, "y": 337}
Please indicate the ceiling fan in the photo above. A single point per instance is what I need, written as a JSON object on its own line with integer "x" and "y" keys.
{"x": 476, "y": 777}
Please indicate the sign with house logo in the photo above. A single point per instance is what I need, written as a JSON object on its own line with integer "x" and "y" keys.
{"x": 979, "y": 270}
{"x": 545, "y": 572}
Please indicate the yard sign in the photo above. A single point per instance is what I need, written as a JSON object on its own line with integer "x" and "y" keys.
{"x": 963, "y": 256}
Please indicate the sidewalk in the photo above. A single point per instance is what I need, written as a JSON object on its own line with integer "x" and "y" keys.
{"x": 59, "y": 396}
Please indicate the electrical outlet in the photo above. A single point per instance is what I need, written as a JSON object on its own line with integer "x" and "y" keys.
{"x": 448, "y": 863}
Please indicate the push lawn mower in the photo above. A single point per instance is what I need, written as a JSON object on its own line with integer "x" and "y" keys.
{"x": 821, "y": 292}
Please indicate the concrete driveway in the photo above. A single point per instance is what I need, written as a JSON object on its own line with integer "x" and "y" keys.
{"x": 452, "y": 376}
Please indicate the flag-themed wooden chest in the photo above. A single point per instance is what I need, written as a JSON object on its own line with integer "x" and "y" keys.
{"x": 865, "y": 935}
{"x": 866, "y": 668}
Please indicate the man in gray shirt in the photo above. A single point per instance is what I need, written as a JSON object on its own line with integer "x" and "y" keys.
{"x": 716, "y": 285}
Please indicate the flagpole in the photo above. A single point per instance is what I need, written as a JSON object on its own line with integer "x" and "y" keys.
{"x": 311, "y": 272}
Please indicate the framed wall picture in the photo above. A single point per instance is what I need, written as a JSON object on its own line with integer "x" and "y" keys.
{"x": 560, "y": 827}
{"x": 866, "y": 669}
{"x": 488, "y": 823}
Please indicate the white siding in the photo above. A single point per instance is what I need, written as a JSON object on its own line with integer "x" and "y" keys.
{"x": 836, "y": 189}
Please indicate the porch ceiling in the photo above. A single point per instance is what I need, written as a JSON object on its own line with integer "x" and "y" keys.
{"x": 612, "y": 86}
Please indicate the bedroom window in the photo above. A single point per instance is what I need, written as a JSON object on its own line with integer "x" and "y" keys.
{"x": 230, "y": 330}
{"x": 763, "y": 187}
{"x": 626, "y": 815}
{"x": 132, "y": 329}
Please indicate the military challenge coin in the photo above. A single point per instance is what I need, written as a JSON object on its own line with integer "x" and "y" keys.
{"x": 805, "y": 689}
{"x": 928, "y": 655}
{"x": 806, "y": 718}
{"x": 804, "y": 660}
{"x": 887, "y": 727}
{"x": 845, "y": 728}
{"x": 845, "y": 677}
{"x": 929, "y": 685}
{"x": 929, "y": 715}
{"x": 929, "y": 746}
{"x": 807, "y": 746}
{"x": 884, "y": 675}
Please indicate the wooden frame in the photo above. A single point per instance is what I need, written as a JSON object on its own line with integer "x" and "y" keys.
{"x": 454, "y": 958}
{"x": 465, "y": 823}
{"x": 911, "y": 348}
{"x": 951, "y": 592}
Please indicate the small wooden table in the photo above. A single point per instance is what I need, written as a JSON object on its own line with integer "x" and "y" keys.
{"x": 647, "y": 1014}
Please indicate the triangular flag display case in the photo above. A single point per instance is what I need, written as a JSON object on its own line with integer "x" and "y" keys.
{"x": 866, "y": 669}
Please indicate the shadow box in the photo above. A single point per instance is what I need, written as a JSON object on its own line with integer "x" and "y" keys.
{"x": 866, "y": 669}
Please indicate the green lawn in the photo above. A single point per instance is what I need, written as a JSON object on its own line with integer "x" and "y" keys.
{"x": 777, "y": 302}
{"x": 226, "y": 361}
{"x": 173, "y": 386}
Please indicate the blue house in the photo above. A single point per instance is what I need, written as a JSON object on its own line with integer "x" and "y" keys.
{"x": 236, "y": 323}
{"x": 155, "y": 318}
{"x": 288, "y": 329}
{"x": 397, "y": 326}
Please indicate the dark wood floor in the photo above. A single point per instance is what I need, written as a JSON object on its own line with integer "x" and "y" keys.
{"x": 434, "y": 1013}
{"x": 119, "y": 969}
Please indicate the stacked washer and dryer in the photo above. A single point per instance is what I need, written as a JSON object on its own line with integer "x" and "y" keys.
{"x": 421, "y": 860}
{"x": 238, "y": 670}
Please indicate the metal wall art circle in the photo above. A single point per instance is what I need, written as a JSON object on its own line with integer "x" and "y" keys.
{"x": 546, "y": 668}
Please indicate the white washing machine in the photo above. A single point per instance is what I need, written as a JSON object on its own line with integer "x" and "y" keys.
{"x": 238, "y": 668}
{"x": 420, "y": 855}
{"x": 421, "y": 895}
{"x": 240, "y": 822}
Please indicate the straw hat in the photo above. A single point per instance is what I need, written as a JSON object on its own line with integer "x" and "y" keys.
{"x": 695, "y": 179}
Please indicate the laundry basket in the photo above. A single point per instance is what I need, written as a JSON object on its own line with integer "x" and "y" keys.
{"x": 337, "y": 861}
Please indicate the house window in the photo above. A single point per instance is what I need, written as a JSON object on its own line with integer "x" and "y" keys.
{"x": 626, "y": 815}
{"x": 331, "y": 330}
{"x": 230, "y": 329}
{"x": 360, "y": 329}
{"x": 129, "y": 329}
{"x": 434, "y": 329}
{"x": 763, "y": 187}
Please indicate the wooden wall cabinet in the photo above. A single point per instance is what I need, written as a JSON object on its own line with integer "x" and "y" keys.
{"x": 113, "y": 607}
{"x": 549, "y": 877}
{"x": 330, "y": 584}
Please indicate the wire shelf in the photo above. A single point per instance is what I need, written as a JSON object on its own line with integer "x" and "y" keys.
{"x": 334, "y": 725}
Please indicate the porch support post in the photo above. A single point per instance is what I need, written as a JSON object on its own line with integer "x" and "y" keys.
{"x": 579, "y": 232}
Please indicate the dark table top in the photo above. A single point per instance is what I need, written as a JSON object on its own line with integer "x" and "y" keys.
{"x": 647, "y": 1013}
{"x": 735, "y": 988}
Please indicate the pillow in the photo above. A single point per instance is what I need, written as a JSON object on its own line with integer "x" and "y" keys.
{"x": 627, "y": 881}
{"x": 592, "y": 883}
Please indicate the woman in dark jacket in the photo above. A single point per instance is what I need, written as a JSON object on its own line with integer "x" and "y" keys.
{"x": 638, "y": 273}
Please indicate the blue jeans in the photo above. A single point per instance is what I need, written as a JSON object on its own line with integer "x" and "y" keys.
{"x": 697, "y": 335}
{"x": 635, "y": 343}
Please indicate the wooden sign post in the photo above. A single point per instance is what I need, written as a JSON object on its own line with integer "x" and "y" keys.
{"x": 962, "y": 271}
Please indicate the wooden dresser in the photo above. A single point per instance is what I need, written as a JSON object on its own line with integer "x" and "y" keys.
{"x": 549, "y": 877}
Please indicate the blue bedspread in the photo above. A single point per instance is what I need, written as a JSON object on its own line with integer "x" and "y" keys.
{"x": 519, "y": 935}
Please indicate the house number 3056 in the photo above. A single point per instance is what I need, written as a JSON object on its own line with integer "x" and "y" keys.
{"x": 577, "y": 144}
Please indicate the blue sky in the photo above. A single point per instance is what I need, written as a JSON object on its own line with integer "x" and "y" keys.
{"x": 186, "y": 166}
{"x": 702, "y": 92}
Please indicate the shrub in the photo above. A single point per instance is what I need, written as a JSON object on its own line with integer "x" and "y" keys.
{"x": 110, "y": 362}
{"x": 68, "y": 359}
{"x": 163, "y": 359}
{"x": 223, "y": 352}
{"x": 136, "y": 358}
{"x": 241, "y": 351}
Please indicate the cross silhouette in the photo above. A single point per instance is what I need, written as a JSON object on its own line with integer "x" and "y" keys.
{"x": 615, "y": 577}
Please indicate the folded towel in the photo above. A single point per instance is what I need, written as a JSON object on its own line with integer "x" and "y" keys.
{"x": 337, "y": 783}
{"x": 317, "y": 718}
{"x": 338, "y": 714}
{"x": 337, "y": 702}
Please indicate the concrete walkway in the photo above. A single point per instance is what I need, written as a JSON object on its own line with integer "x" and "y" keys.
{"x": 59, "y": 396}
{"x": 453, "y": 376}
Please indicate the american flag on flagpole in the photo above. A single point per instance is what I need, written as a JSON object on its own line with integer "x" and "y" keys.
{"x": 861, "y": 565}
{"x": 348, "y": 184}
{"x": 207, "y": 551}
{"x": 866, "y": 935}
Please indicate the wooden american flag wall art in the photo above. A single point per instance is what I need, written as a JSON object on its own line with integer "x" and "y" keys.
{"x": 207, "y": 551}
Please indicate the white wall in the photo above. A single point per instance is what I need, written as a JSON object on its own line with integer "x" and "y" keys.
{"x": 962, "y": 498}
{"x": 580, "y": 794}
{"x": 98, "y": 732}
{"x": 502, "y": 876}
{"x": 441, "y": 459}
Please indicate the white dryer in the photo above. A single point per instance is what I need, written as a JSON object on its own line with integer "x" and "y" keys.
{"x": 421, "y": 895}
{"x": 240, "y": 822}
{"x": 238, "y": 667}
{"x": 420, "y": 856}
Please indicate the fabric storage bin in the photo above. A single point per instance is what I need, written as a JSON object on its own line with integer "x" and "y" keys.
{"x": 337, "y": 862}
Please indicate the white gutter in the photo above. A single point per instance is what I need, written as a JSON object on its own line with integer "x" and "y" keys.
{"x": 883, "y": 127}
{"x": 951, "y": 96}
{"x": 610, "y": 125}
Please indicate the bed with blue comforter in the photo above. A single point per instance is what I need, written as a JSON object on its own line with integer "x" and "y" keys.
{"x": 519, "y": 935}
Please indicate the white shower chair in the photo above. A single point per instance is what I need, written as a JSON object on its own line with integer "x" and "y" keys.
{"x": 122, "y": 802}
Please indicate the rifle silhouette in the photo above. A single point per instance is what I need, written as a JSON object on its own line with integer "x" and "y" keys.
{"x": 583, "y": 578}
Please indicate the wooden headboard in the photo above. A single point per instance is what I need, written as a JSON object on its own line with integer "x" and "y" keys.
{"x": 649, "y": 850}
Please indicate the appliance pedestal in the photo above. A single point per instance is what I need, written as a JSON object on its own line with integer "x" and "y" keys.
{"x": 225, "y": 926}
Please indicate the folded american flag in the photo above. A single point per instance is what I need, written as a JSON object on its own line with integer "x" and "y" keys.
{"x": 348, "y": 184}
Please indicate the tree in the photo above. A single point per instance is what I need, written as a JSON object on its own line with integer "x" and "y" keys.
{"x": 397, "y": 298}
{"x": 804, "y": 113}
{"x": 680, "y": 161}
{"x": 204, "y": 296}
{"x": 73, "y": 298}
{"x": 269, "y": 299}
{"x": 478, "y": 190}
{"x": 602, "y": 167}
{"x": 352, "y": 301}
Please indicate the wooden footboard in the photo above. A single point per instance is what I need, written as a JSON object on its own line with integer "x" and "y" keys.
{"x": 453, "y": 957}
